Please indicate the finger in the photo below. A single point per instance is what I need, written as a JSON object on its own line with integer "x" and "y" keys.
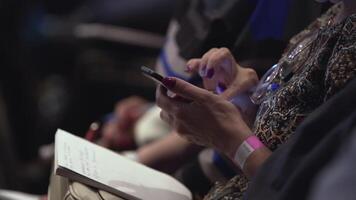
{"x": 129, "y": 104}
{"x": 204, "y": 61}
{"x": 216, "y": 62}
{"x": 232, "y": 91}
{"x": 220, "y": 60}
{"x": 124, "y": 111}
{"x": 226, "y": 60}
{"x": 241, "y": 86}
{"x": 125, "y": 115}
{"x": 166, "y": 117}
{"x": 191, "y": 139}
{"x": 193, "y": 65}
{"x": 168, "y": 104}
{"x": 186, "y": 90}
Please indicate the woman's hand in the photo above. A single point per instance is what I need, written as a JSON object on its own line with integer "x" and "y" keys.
{"x": 129, "y": 110}
{"x": 202, "y": 117}
{"x": 117, "y": 133}
{"x": 220, "y": 71}
{"x": 223, "y": 75}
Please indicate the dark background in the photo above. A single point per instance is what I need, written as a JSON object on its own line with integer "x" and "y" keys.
{"x": 51, "y": 79}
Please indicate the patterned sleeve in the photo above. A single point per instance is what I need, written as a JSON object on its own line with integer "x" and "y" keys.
{"x": 342, "y": 65}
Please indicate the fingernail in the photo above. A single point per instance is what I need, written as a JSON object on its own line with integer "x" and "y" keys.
{"x": 220, "y": 88}
{"x": 169, "y": 82}
{"x": 202, "y": 71}
{"x": 210, "y": 73}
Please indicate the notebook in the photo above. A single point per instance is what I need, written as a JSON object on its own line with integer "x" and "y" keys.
{"x": 82, "y": 161}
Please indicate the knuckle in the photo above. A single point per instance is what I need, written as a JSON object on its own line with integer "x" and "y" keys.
{"x": 213, "y": 49}
{"x": 203, "y": 61}
{"x": 225, "y": 51}
{"x": 252, "y": 74}
{"x": 195, "y": 63}
{"x": 193, "y": 60}
{"x": 215, "y": 59}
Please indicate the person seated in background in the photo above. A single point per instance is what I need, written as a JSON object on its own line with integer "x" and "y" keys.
{"x": 317, "y": 64}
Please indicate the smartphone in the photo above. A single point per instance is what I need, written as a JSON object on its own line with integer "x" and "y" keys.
{"x": 149, "y": 73}
{"x": 156, "y": 77}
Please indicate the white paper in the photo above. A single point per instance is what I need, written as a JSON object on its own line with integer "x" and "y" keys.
{"x": 14, "y": 195}
{"x": 116, "y": 171}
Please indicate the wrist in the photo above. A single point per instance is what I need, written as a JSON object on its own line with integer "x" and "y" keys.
{"x": 250, "y": 154}
{"x": 246, "y": 149}
{"x": 236, "y": 141}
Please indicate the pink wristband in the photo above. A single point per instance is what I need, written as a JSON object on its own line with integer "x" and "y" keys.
{"x": 251, "y": 144}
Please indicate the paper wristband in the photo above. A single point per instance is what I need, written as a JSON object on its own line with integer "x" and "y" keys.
{"x": 251, "y": 144}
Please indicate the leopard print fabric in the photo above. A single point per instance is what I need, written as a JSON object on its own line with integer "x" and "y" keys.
{"x": 323, "y": 68}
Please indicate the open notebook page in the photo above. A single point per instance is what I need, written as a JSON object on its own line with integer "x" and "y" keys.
{"x": 109, "y": 171}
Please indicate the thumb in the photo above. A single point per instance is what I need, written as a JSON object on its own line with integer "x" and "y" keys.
{"x": 232, "y": 91}
{"x": 245, "y": 82}
{"x": 185, "y": 89}
{"x": 229, "y": 93}
{"x": 236, "y": 89}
